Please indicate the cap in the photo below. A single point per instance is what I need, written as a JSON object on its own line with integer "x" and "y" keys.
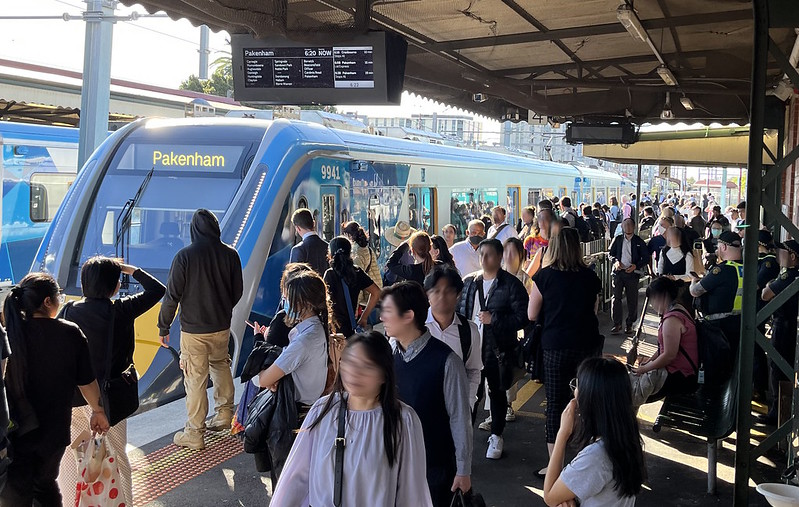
{"x": 791, "y": 245}
{"x": 765, "y": 238}
{"x": 730, "y": 238}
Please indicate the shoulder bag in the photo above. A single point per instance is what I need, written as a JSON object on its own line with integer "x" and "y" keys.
{"x": 353, "y": 323}
{"x": 341, "y": 442}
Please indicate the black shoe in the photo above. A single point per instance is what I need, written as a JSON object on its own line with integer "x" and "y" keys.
{"x": 615, "y": 330}
{"x": 628, "y": 330}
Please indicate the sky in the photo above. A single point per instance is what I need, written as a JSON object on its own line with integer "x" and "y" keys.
{"x": 156, "y": 51}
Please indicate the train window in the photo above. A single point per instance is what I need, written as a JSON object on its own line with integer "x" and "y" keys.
{"x": 464, "y": 207}
{"x": 107, "y": 234}
{"x": 488, "y": 199}
{"x": 47, "y": 192}
{"x": 413, "y": 212}
{"x": 548, "y": 193}
{"x": 328, "y": 216}
{"x": 302, "y": 202}
{"x": 533, "y": 197}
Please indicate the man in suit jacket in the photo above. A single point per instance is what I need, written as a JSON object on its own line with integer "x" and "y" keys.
{"x": 312, "y": 249}
{"x": 630, "y": 257}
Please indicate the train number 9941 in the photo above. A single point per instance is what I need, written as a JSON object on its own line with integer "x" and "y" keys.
{"x": 330, "y": 172}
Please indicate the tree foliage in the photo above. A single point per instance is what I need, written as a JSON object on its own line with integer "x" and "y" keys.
{"x": 220, "y": 82}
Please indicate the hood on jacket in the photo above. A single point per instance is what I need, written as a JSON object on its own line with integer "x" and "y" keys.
{"x": 204, "y": 225}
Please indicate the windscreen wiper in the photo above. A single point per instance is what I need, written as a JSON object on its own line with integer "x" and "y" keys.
{"x": 121, "y": 240}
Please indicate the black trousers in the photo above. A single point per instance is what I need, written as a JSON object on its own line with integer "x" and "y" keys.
{"x": 560, "y": 366}
{"x": 731, "y": 327}
{"x": 497, "y": 396}
{"x": 32, "y": 478}
{"x": 439, "y": 481}
{"x": 676, "y": 383}
{"x": 624, "y": 284}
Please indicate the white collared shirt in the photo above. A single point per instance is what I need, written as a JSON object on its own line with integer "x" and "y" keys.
{"x": 452, "y": 337}
{"x": 311, "y": 233}
{"x": 504, "y": 234}
{"x": 466, "y": 258}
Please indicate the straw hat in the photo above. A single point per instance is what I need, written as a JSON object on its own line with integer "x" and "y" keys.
{"x": 399, "y": 233}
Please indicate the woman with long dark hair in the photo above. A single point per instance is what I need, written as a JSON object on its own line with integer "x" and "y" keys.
{"x": 50, "y": 359}
{"x": 305, "y": 358}
{"x": 345, "y": 281}
{"x": 95, "y": 314}
{"x": 609, "y": 470}
{"x": 676, "y": 259}
{"x": 440, "y": 251}
{"x": 384, "y": 454}
{"x": 420, "y": 246}
{"x": 362, "y": 254}
{"x": 570, "y": 329}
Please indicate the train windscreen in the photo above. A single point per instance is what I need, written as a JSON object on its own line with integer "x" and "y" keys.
{"x": 169, "y": 179}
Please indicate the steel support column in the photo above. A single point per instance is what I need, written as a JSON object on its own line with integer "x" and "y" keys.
{"x": 754, "y": 197}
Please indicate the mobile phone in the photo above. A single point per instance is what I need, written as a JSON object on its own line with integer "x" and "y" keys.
{"x": 693, "y": 273}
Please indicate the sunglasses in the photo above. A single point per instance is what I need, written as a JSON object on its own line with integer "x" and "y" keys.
{"x": 573, "y": 385}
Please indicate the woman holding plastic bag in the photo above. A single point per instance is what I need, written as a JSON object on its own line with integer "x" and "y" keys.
{"x": 108, "y": 326}
{"x": 50, "y": 358}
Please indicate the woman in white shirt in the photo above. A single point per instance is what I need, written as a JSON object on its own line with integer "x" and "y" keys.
{"x": 305, "y": 358}
{"x": 676, "y": 260}
{"x": 384, "y": 454}
{"x": 609, "y": 470}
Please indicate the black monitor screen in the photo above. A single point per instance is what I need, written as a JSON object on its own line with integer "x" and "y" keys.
{"x": 367, "y": 70}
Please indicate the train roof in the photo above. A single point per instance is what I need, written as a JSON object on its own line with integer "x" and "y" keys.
{"x": 13, "y": 130}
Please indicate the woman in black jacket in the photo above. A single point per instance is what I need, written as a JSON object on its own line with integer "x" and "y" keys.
{"x": 420, "y": 246}
{"x": 100, "y": 317}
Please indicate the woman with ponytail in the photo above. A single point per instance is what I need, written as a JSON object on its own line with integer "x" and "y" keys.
{"x": 344, "y": 282}
{"x": 50, "y": 359}
{"x": 305, "y": 358}
{"x": 421, "y": 249}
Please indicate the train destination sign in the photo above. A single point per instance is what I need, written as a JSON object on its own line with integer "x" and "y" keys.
{"x": 309, "y": 67}
{"x": 366, "y": 69}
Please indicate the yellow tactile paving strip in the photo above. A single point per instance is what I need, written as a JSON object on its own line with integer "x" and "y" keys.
{"x": 167, "y": 468}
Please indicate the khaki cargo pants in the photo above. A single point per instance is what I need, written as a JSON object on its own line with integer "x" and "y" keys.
{"x": 199, "y": 355}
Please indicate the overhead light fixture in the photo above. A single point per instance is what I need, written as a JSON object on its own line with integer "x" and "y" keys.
{"x": 632, "y": 24}
{"x": 667, "y": 114}
{"x": 687, "y": 103}
{"x": 667, "y": 76}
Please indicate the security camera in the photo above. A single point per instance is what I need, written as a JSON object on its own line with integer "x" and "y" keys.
{"x": 479, "y": 97}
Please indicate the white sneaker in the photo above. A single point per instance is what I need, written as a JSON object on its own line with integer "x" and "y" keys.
{"x": 495, "y": 444}
{"x": 485, "y": 425}
{"x": 510, "y": 415}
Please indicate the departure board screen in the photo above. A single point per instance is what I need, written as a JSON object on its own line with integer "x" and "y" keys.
{"x": 309, "y": 67}
{"x": 363, "y": 69}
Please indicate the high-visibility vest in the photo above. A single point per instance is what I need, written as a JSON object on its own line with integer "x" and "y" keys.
{"x": 737, "y": 304}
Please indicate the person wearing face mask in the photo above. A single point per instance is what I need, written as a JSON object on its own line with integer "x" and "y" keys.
{"x": 465, "y": 253}
{"x": 720, "y": 291}
{"x": 710, "y": 245}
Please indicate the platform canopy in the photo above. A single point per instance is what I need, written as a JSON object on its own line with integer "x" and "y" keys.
{"x": 714, "y": 147}
{"x": 560, "y": 58}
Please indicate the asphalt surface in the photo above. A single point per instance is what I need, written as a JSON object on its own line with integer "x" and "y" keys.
{"x": 676, "y": 461}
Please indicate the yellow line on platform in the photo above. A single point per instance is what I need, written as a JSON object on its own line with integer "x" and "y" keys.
{"x": 525, "y": 393}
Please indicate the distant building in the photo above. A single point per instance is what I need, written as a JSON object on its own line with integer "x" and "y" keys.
{"x": 459, "y": 130}
{"x": 546, "y": 141}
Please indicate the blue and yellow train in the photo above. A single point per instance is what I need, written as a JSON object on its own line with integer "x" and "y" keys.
{"x": 146, "y": 180}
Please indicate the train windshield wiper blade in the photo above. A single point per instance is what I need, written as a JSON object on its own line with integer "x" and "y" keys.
{"x": 126, "y": 214}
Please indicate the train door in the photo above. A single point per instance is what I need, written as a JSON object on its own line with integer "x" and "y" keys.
{"x": 328, "y": 224}
{"x": 514, "y": 204}
{"x": 422, "y": 209}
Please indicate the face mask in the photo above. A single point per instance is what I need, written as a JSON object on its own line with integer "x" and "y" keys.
{"x": 287, "y": 308}
{"x": 659, "y": 230}
{"x": 475, "y": 240}
{"x": 715, "y": 232}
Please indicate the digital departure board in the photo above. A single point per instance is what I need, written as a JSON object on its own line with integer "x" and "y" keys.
{"x": 309, "y": 67}
{"x": 369, "y": 69}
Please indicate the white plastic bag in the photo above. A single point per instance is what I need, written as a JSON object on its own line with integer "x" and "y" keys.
{"x": 98, "y": 470}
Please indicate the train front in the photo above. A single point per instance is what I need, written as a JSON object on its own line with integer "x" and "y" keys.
{"x": 135, "y": 199}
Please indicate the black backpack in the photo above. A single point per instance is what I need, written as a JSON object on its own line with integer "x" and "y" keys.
{"x": 715, "y": 354}
{"x": 583, "y": 229}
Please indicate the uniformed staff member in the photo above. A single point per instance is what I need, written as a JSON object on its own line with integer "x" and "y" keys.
{"x": 783, "y": 327}
{"x": 720, "y": 291}
{"x": 767, "y": 270}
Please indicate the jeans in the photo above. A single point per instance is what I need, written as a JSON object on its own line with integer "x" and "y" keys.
{"x": 624, "y": 282}
{"x": 201, "y": 354}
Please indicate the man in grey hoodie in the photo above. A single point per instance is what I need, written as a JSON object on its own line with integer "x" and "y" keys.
{"x": 206, "y": 280}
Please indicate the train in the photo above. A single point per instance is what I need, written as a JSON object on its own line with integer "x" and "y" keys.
{"x": 136, "y": 195}
{"x": 37, "y": 167}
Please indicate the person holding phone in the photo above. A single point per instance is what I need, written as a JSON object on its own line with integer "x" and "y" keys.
{"x": 676, "y": 260}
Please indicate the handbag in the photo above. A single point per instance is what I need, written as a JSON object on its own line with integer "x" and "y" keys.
{"x": 468, "y": 499}
{"x": 353, "y": 323}
{"x": 99, "y": 474}
{"x": 120, "y": 395}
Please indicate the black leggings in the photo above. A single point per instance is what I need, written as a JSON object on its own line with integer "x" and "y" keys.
{"x": 32, "y": 477}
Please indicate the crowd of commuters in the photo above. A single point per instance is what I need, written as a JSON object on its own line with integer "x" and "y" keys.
{"x": 387, "y": 418}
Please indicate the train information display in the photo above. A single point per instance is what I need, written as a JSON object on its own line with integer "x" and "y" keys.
{"x": 309, "y": 67}
{"x": 368, "y": 69}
